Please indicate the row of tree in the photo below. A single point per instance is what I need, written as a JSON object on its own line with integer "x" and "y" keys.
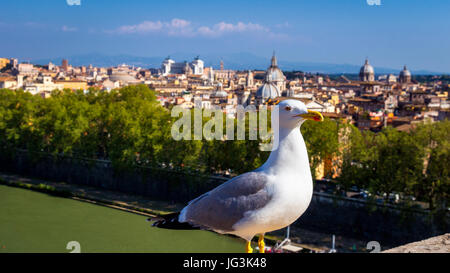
{"x": 129, "y": 127}
{"x": 414, "y": 163}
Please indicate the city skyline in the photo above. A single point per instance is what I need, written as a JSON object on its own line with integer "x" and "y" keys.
{"x": 236, "y": 61}
{"x": 392, "y": 34}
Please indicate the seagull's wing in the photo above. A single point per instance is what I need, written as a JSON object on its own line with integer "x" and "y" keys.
{"x": 225, "y": 205}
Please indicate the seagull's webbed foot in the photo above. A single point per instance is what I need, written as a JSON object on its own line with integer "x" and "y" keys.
{"x": 248, "y": 247}
{"x": 261, "y": 244}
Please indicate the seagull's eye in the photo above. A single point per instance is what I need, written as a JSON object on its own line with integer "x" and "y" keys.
{"x": 288, "y": 108}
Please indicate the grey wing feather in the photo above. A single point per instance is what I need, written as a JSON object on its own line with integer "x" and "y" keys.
{"x": 222, "y": 207}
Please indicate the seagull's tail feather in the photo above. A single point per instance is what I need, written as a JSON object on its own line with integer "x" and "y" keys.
{"x": 170, "y": 221}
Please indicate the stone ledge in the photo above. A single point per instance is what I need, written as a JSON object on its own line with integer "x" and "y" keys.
{"x": 438, "y": 244}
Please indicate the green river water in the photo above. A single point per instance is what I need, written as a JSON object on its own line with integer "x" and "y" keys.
{"x": 37, "y": 222}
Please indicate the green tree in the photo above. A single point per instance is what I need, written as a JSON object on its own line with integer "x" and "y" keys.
{"x": 396, "y": 164}
{"x": 386, "y": 162}
{"x": 322, "y": 140}
{"x": 434, "y": 186}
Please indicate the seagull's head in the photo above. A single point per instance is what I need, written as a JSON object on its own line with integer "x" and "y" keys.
{"x": 292, "y": 113}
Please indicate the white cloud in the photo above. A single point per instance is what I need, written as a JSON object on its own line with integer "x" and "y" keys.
{"x": 181, "y": 27}
{"x": 174, "y": 27}
{"x": 283, "y": 25}
{"x": 68, "y": 29}
{"x": 146, "y": 26}
{"x": 206, "y": 31}
{"x": 179, "y": 23}
{"x": 223, "y": 28}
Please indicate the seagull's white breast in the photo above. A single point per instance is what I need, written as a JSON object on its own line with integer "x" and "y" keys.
{"x": 291, "y": 194}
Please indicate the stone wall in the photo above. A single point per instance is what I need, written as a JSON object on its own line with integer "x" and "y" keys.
{"x": 438, "y": 244}
{"x": 387, "y": 224}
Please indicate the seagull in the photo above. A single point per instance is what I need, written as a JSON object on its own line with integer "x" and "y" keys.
{"x": 269, "y": 198}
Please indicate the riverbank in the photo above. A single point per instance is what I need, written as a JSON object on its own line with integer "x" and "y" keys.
{"x": 133, "y": 203}
{"x": 315, "y": 241}
{"x": 37, "y": 222}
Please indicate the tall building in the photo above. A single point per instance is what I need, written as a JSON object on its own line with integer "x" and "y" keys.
{"x": 211, "y": 74}
{"x": 65, "y": 65}
{"x": 366, "y": 73}
{"x": 249, "y": 81}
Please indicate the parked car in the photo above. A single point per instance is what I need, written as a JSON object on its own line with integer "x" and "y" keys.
{"x": 360, "y": 195}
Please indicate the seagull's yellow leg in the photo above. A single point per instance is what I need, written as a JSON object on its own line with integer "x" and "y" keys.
{"x": 248, "y": 247}
{"x": 261, "y": 244}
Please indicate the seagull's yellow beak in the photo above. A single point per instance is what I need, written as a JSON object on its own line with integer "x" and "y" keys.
{"x": 311, "y": 115}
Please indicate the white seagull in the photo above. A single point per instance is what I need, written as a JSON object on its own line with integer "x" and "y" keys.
{"x": 266, "y": 199}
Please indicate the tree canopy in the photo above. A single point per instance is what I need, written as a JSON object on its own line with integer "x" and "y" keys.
{"x": 129, "y": 127}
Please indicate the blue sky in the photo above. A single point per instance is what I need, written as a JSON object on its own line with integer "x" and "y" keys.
{"x": 397, "y": 32}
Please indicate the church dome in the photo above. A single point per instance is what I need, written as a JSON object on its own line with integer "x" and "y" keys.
{"x": 405, "y": 75}
{"x": 122, "y": 76}
{"x": 220, "y": 93}
{"x": 366, "y": 68}
{"x": 273, "y": 73}
{"x": 366, "y": 73}
{"x": 405, "y": 72}
{"x": 267, "y": 91}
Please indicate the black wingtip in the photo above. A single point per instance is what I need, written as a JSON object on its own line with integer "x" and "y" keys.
{"x": 170, "y": 221}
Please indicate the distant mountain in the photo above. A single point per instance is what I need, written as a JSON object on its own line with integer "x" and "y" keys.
{"x": 102, "y": 60}
{"x": 236, "y": 61}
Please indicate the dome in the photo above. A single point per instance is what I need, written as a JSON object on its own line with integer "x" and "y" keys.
{"x": 220, "y": 94}
{"x": 267, "y": 91}
{"x": 366, "y": 68}
{"x": 405, "y": 72}
{"x": 122, "y": 76}
{"x": 405, "y": 75}
{"x": 273, "y": 73}
{"x": 366, "y": 73}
